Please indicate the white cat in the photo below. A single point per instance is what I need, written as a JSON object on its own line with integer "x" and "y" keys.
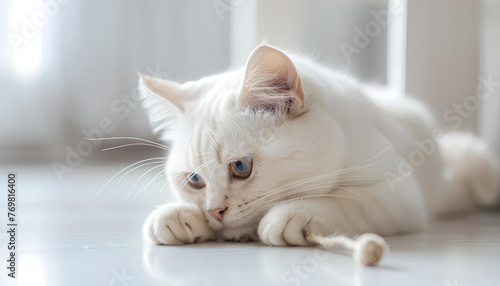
{"x": 286, "y": 148}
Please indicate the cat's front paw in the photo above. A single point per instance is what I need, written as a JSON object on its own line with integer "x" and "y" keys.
{"x": 177, "y": 223}
{"x": 284, "y": 227}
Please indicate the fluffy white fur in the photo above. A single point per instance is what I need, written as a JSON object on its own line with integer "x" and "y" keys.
{"x": 329, "y": 156}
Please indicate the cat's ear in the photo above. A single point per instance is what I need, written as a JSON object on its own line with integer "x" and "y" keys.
{"x": 164, "y": 89}
{"x": 272, "y": 83}
{"x": 163, "y": 100}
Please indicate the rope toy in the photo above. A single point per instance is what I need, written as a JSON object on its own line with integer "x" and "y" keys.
{"x": 368, "y": 249}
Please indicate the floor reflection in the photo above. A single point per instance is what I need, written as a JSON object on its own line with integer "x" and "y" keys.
{"x": 235, "y": 263}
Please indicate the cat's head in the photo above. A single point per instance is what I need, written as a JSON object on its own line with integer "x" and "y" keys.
{"x": 244, "y": 141}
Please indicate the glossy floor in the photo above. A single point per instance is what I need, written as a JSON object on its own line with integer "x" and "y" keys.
{"x": 69, "y": 236}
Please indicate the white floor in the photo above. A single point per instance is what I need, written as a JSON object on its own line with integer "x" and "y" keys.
{"x": 69, "y": 236}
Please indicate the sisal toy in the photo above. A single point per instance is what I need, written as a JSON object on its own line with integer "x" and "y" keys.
{"x": 367, "y": 249}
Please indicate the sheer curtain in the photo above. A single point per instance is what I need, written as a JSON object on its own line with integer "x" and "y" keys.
{"x": 90, "y": 54}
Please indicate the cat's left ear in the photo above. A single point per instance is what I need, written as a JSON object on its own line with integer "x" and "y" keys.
{"x": 272, "y": 83}
{"x": 163, "y": 101}
{"x": 164, "y": 89}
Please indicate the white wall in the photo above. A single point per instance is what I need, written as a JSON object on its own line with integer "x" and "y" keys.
{"x": 489, "y": 114}
{"x": 443, "y": 56}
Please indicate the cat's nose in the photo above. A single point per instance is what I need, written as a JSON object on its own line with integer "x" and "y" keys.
{"x": 217, "y": 213}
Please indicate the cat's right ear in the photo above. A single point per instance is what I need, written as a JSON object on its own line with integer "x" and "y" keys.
{"x": 272, "y": 83}
{"x": 162, "y": 100}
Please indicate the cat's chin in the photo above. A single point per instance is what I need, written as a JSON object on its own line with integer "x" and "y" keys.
{"x": 241, "y": 234}
{"x": 232, "y": 231}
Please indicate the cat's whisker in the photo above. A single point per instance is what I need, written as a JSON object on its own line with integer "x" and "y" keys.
{"x": 330, "y": 182}
{"x": 311, "y": 188}
{"x": 345, "y": 189}
{"x": 361, "y": 165}
{"x": 377, "y": 155}
{"x": 360, "y": 177}
{"x": 333, "y": 176}
{"x": 163, "y": 186}
{"x": 357, "y": 168}
{"x": 142, "y": 176}
{"x": 312, "y": 184}
{"x": 140, "y": 166}
{"x": 349, "y": 190}
{"x": 143, "y": 189}
{"x": 291, "y": 189}
{"x": 360, "y": 180}
{"x": 375, "y": 179}
{"x": 134, "y": 144}
{"x": 122, "y": 170}
{"x": 126, "y": 138}
{"x": 269, "y": 203}
{"x": 211, "y": 173}
{"x": 168, "y": 181}
{"x": 333, "y": 196}
{"x": 339, "y": 182}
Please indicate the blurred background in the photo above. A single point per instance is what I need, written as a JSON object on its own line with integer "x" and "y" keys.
{"x": 68, "y": 70}
{"x": 67, "y": 65}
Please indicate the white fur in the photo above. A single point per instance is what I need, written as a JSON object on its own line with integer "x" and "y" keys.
{"x": 337, "y": 166}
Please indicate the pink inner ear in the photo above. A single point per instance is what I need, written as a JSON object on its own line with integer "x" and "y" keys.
{"x": 269, "y": 76}
{"x": 271, "y": 67}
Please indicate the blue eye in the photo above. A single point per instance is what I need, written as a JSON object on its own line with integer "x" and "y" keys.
{"x": 243, "y": 167}
{"x": 195, "y": 181}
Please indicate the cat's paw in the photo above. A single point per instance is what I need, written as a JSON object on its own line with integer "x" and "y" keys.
{"x": 284, "y": 227}
{"x": 177, "y": 223}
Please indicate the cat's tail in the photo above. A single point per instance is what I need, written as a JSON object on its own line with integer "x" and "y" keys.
{"x": 471, "y": 172}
